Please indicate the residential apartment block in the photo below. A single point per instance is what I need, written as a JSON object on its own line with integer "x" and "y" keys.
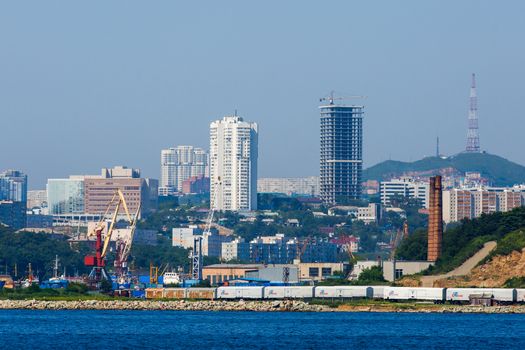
{"x": 290, "y": 186}
{"x": 179, "y": 164}
{"x": 471, "y": 203}
{"x": 233, "y": 164}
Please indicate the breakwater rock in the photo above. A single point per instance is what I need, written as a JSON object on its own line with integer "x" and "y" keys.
{"x": 207, "y": 305}
{"x": 259, "y": 306}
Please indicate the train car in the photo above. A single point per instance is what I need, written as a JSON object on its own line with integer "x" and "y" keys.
{"x": 174, "y": 293}
{"x": 282, "y": 292}
{"x": 415, "y": 293}
{"x": 502, "y": 295}
{"x": 344, "y": 292}
{"x": 154, "y": 293}
{"x": 201, "y": 293}
{"x": 247, "y": 292}
{"x": 378, "y": 292}
{"x": 520, "y": 295}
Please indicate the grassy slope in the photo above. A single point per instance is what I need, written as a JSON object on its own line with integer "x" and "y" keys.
{"x": 500, "y": 170}
{"x": 464, "y": 240}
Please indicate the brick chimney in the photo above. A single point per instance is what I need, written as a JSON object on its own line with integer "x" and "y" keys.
{"x": 435, "y": 219}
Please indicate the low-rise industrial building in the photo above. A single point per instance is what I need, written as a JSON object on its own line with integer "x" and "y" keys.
{"x": 218, "y": 273}
{"x": 392, "y": 269}
{"x": 276, "y": 274}
{"x": 320, "y": 271}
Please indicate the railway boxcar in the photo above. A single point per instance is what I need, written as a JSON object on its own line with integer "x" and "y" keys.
{"x": 506, "y": 295}
{"x": 378, "y": 292}
{"x": 200, "y": 293}
{"x": 520, "y": 295}
{"x": 343, "y": 292}
{"x": 416, "y": 293}
{"x": 154, "y": 293}
{"x": 281, "y": 292}
{"x": 174, "y": 293}
{"x": 240, "y": 292}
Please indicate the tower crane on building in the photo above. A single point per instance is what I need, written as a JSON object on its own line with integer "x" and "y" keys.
{"x": 330, "y": 98}
{"x": 123, "y": 244}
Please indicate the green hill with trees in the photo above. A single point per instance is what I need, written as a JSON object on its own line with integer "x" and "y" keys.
{"x": 463, "y": 240}
{"x": 500, "y": 171}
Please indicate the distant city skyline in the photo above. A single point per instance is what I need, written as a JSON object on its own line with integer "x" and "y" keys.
{"x": 78, "y": 96}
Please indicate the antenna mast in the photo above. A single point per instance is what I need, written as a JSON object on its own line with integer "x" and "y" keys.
{"x": 473, "y": 129}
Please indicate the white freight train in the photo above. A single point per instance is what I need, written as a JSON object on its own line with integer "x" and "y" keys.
{"x": 414, "y": 293}
{"x": 437, "y": 295}
{"x": 344, "y": 292}
{"x": 507, "y": 295}
{"x": 293, "y": 292}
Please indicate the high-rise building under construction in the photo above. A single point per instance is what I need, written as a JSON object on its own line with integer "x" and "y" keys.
{"x": 341, "y": 159}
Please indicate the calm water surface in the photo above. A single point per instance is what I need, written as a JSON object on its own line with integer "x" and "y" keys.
{"x": 25, "y": 329}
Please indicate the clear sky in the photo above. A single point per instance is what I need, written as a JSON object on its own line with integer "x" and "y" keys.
{"x": 91, "y": 84}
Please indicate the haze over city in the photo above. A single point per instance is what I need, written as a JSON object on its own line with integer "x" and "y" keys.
{"x": 85, "y": 87}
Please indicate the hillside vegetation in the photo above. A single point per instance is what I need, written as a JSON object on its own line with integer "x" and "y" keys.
{"x": 500, "y": 171}
{"x": 465, "y": 239}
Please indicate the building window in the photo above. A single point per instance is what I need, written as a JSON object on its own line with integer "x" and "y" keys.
{"x": 326, "y": 271}
{"x": 313, "y": 272}
{"x": 398, "y": 274}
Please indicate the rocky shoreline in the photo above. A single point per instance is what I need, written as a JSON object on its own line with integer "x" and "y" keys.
{"x": 175, "y": 305}
{"x": 257, "y": 306}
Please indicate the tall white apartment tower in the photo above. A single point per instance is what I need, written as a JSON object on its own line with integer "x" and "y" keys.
{"x": 178, "y": 164}
{"x": 233, "y": 164}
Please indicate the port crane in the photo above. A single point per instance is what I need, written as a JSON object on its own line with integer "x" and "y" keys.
{"x": 196, "y": 254}
{"x": 123, "y": 245}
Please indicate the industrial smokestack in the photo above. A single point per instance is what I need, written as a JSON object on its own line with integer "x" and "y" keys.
{"x": 435, "y": 219}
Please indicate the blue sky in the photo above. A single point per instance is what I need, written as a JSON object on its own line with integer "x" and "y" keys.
{"x": 85, "y": 85}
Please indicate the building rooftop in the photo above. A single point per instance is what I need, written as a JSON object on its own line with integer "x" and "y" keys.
{"x": 234, "y": 266}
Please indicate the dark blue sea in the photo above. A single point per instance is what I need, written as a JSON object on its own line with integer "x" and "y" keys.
{"x": 26, "y": 329}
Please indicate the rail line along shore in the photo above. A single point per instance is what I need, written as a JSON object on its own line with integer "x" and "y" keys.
{"x": 254, "y": 306}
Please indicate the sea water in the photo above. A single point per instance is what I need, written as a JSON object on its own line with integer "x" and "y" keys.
{"x": 28, "y": 329}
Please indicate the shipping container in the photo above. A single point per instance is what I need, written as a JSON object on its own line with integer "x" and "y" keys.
{"x": 240, "y": 292}
{"x": 343, "y": 292}
{"x": 499, "y": 294}
{"x": 200, "y": 293}
{"x": 414, "y": 293}
{"x": 282, "y": 292}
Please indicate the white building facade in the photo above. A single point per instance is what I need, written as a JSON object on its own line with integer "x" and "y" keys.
{"x": 289, "y": 185}
{"x": 178, "y": 164}
{"x": 233, "y": 164}
{"x": 404, "y": 187}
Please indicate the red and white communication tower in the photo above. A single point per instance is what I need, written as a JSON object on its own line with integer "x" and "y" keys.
{"x": 473, "y": 128}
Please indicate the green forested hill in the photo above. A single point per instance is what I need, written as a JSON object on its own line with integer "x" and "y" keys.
{"x": 500, "y": 171}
